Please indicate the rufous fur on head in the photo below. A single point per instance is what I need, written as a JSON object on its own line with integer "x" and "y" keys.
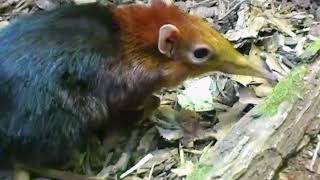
{"x": 182, "y": 44}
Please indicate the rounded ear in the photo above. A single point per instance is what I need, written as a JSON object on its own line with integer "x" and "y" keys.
{"x": 168, "y": 36}
{"x": 158, "y": 2}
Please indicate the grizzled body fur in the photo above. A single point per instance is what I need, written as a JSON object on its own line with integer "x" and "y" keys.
{"x": 56, "y": 83}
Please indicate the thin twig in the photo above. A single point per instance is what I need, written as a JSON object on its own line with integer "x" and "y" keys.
{"x": 151, "y": 171}
{"x": 232, "y": 9}
{"x": 315, "y": 155}
{"x": 181, "y": 153}
{"x": 137, "y": 166}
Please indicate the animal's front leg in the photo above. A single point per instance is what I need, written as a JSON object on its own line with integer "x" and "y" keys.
{"x": 150, "y": 104}
{"x": 123, "y": 122}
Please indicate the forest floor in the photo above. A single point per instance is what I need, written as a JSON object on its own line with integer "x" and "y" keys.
{"x": 186, "y": 124}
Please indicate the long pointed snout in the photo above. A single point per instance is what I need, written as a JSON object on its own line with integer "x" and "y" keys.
{"x": 228, "y": 60}
{"x": 245, "y": 67}
{"x": 235, "y": 63}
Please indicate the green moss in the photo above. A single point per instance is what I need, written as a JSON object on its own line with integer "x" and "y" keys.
{"x": 311, "y": 50}
{"x": 288, "y": 89}
{"x": 200, "y": 172}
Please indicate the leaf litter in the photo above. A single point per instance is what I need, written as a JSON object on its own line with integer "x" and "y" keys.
{"x": 192, "y": 117}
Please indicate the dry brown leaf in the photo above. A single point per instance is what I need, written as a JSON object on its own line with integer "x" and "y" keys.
{"x": 47, "y": 4}
{"x": 184, "y": 170}
{"x": 247, "y": 96}
{"x": 228, "y": 95}
{"x": 246, "y": 80}
{"x": 4, "y": 24}
{"x": 204, "y": 12}
{"x": 190, "y": 125}
{"x": 160, "y": 156}
{"x": 274, "y": 64}
{"x": 300, "y": 46}
{"x": 147, "y": 140}
{"x": 262, "y": 90}
{"x": 284, "y": 66}
{"x": 166, "y": 112}
{"x": 315, "y": 30}
{"x": 220, "y": 83}
{"x": 169, "y": 125}
{"x": 272, "y": 43}
{"x": 242, "y": 14}
{"x": 302, "y": 3}
{"x": 184, "y": 126}
{"x": 228, "y": 119}
{"x": 281, "y": 24}
{"x": 248, "y": 25}
{"x": 170, "y": 134}
{"x": 254, "y": 25}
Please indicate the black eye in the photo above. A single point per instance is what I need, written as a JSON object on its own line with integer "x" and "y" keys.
{"x": 201, "y": 53}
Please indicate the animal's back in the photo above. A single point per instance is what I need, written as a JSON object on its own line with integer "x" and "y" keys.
{"x": 47, "y": 63}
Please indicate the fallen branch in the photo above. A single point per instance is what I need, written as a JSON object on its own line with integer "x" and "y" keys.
{"x": 258, "y": 145}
